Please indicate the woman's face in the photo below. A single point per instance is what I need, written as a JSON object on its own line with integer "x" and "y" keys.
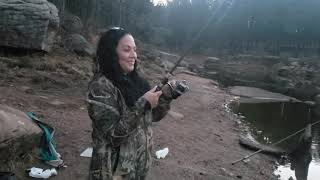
{"x": 127, "y": 55}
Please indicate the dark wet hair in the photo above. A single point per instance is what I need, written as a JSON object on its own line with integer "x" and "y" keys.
{"x": 131, "y": 85}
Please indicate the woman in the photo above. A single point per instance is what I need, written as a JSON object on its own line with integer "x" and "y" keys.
{"x": 122, "y": 108}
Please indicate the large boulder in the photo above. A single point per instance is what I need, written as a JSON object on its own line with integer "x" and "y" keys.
{"x": 18, "y": 135}
{"x": 28, "y": 24}
{"x": 299, "y": 78}
{"x": 71, "y": 24}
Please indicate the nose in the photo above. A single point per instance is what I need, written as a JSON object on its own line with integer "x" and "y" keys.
{"x": 133, "y": 54}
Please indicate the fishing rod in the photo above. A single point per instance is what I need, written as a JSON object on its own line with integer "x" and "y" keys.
{"x": 229, "y": 3}
{"x": 274, "y": 144}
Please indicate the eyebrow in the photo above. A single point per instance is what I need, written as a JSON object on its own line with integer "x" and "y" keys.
{"x": 125, "y": 46}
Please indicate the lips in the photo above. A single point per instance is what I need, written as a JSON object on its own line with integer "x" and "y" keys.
{"x": 131, "y": 62}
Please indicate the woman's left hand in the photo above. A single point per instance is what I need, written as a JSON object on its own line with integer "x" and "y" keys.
{"x": 152, "y": 97}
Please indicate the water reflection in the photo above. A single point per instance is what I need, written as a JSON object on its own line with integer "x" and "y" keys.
{"x": 270, "y": 122}
{"x": 301, "y": 157}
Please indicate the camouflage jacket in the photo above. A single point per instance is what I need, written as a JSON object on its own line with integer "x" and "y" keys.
{"x": 122, "y": 136}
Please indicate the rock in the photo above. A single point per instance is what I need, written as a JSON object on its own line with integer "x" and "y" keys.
{"x": 310, "y": 103}
{"x": 18, "y": 135}
{"x": 175, "y": 115}
{"x": 298, "y": 78}
{"x": 72, "y": 24}
{"x": 27, "y": 89}
{"x": 78, "y": 44}
{"x": 239, "y": 176}
{"x": 317, "y": 108}
{"x": 226, "y": 172}
{"x": 213, "y": 59}
{"x": 317, "y": 99}
{"x": 181, "y": 70}
{"x": 167, "y": 65}
{"x": 28, "y": 24}
{"x": 168, "y": 56}
{"x": 170, "y": 60}
{"x": 212, "y": 74}
{"x": 251, "y": 94}
{"x": 56, "y": 102}
{"x": 195, "y": 67}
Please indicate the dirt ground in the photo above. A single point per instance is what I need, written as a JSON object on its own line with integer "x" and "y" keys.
{"x": 201, "y": 135}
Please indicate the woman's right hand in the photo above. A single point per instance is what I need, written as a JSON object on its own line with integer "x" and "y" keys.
{"x": 152, "y": 96}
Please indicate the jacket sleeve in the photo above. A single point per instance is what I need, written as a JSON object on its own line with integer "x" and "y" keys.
{"x": 162, "y": 109}
{"x": 108, "y": 115}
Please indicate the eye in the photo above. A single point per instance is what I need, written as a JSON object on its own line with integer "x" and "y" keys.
{"x": 127, "y": 49}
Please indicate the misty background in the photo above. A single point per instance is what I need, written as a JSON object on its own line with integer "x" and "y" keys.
{"x": 236, "y": 26}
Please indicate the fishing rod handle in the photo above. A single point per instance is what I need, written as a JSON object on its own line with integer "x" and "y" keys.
{"x": 163, "y": 82}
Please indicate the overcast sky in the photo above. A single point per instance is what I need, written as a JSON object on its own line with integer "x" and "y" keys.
{"x": 155, "y": 2}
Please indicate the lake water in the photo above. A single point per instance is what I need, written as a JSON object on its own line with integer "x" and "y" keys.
{"x": 271, "y": 122}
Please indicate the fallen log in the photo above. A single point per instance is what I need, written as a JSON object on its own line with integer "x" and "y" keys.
{"x": 250, "y": 143}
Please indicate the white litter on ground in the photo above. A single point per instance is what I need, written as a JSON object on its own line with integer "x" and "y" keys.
{"x": 39, "y": 173}
{"x": 87, "y": 152}
{"x": 162, "y": 153}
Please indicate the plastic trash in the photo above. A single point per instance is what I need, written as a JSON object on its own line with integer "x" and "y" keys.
{"x": 55, "y": 163}
{"x": 162, "y": 153}
{"x": 87, "y": 152}
{"x": 39, "y": 173}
